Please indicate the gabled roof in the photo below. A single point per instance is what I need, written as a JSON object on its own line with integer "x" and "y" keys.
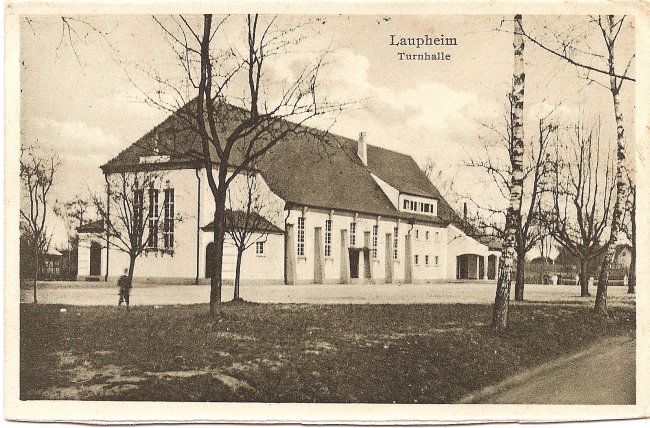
{"x": 308, "y": 168}
{"x": 493, "y": 243}
{"x": 236, "y": 220}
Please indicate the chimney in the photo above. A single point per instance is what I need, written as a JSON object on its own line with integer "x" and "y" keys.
{"x": 465, "y": 211}
{"x": 362, "y": 148}
{"x": 155, "y": 142}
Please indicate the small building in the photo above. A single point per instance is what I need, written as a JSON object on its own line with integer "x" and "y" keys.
{"x": 350, "y": 212}
{"x": 51, "y": 265}
{"x": 623, "y": 257}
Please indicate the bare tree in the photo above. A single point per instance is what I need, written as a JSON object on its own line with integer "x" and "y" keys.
{"x": 73, "y": 213}
{"x": 513, "y": 216}
{"x": 442, "y": 177}
{"x": 132, "y": 212}
{"x": 610, "y": 28}
{"x": 496, "y": 163}
{"x": 545, "y": 248}
{"x": 248, "y": 217}
{"x": 36, "y": 176}
{"x": 582, "y": 191}
{"x": 232, "y": 139}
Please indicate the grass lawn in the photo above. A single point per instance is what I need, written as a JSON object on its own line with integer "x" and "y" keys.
{"x": 295, "y": 353}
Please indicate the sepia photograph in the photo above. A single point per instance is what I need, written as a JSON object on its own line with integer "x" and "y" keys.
{"x": 333, "y": 208}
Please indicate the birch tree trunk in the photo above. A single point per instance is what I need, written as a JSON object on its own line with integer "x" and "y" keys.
{"x": 631, "y": 286}
{"x": 601, "y": 294}
{"x": 521, "y": 276}
{"x": 513, "y": 216}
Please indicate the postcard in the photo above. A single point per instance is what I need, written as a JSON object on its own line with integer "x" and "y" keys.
{"x": 317, "y": 212}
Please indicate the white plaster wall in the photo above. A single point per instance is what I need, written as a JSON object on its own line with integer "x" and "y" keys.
{"x": 390, "y": 191}
{"x": 431, "y": 247}
{"x": 83, "y": 254}
{"x": 267, "y": 267}
{"x": 271, "y": 266}
{"x": 181, "y": 263}
{"x": 341, "y": 221}
{"x": 459, "y": 243}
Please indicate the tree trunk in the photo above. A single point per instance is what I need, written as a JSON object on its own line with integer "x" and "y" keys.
{"x": 584, "y": 279}
{"x": 519, "y": 282}
{"x": 513, "y": 216}
{"x": 240, "y": 252}
{"x": 219, "y": 237}
{"x": 131, "y": 268}
{"x": 601, "y": 294}
{"x": 36, "y": 275}
{"x": 631, "y": 284}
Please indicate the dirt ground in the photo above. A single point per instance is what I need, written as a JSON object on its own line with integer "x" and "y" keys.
{"x": 81, "y": 293}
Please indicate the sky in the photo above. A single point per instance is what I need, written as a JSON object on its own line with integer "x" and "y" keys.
{"x": 82, "y": 93}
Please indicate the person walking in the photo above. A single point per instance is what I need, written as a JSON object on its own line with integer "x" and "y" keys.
{"x": 125, "y": 288}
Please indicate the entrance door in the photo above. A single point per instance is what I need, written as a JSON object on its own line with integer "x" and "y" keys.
{"x": 354, "y": 263}
{"x": 492, "y": 266}
{"x": 95, "y": 259}
{"x": 209, "y": 260}
{"x": 481, "y": 267}
{"x": 462, "y": 268}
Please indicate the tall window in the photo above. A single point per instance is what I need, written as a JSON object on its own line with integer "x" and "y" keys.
{"x": 138, "y": 204}
{"x": 417, "y": 259}
{"x": 395, "y": 242}
{"x": 417, "y": 234}
{"x": 426, "y": 260}
{"x": 353, "y": 234}
{"x": 301, "y": 236}
{"x": 375, "y": 238}
{"x": 436, "y": 237}
{"x": 153, "y": 219}
{"x": 426, "y": 235}
{"x": 328, "y": 238}
{"x": 437, "y": 261}
{"x": 259, "y": 248}
{"x": 168, "y": 222}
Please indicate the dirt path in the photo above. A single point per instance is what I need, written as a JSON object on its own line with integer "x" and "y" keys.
{"x": 602, "y": 374}
{"x": 472, "y": 293}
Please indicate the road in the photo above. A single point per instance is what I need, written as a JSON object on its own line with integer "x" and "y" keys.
{"x": 80, "y": 293}
{"x": 603, "y": 374}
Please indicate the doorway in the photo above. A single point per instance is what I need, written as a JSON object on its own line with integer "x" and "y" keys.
{"x": 209, "y": 260}
{"x": 492, "y": 267}
{"x": 354, "y": 262}
{"x": 95, "y": 259}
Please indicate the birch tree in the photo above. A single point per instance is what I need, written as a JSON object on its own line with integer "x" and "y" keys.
{"x": 513, "y": 215}
{"x": 629, "y": 227}
{"x": 610, "y": 27}
{"x": 496, "y": 163}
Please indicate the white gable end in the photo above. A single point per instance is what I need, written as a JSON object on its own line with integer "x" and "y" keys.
{"x": 390, "y": 191}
